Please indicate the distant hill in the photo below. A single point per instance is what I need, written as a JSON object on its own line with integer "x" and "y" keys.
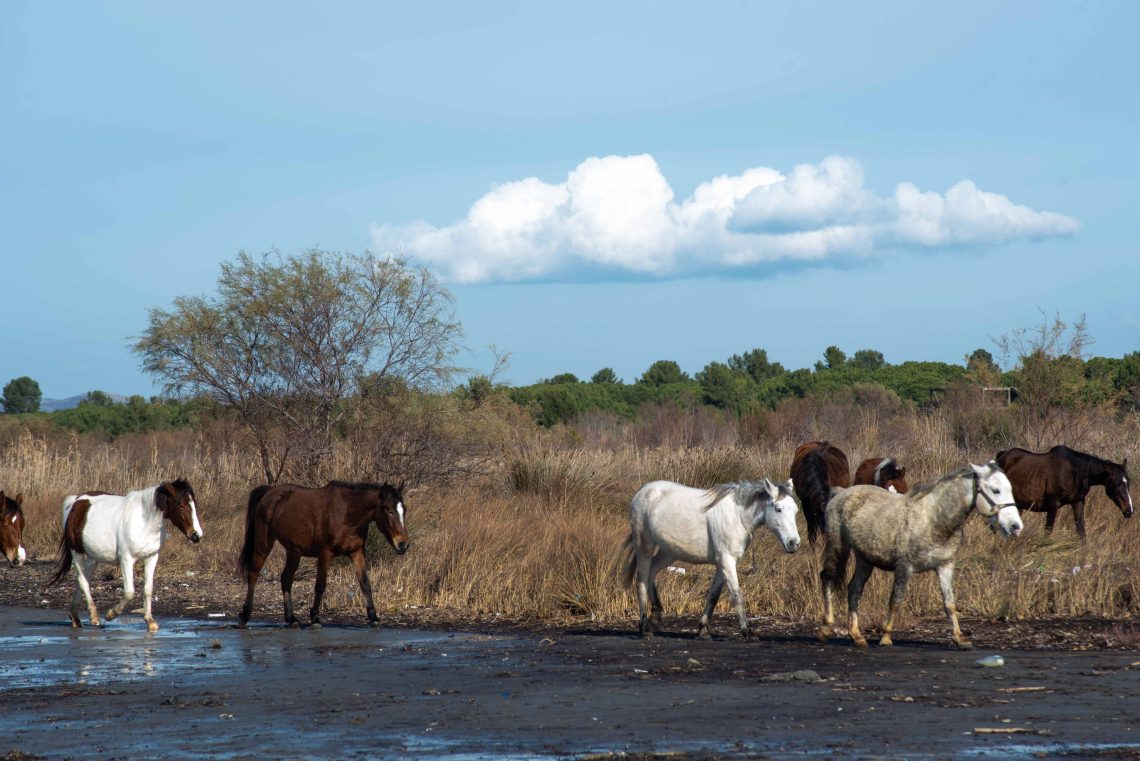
{"x": 54, "y": 405}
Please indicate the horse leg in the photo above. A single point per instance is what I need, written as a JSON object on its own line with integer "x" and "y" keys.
{"x": 834, "y": 563}
{"x": 127, "y": 566}
{"x": 1079, "y": 517}
{"x": 710, "y": 603}
{"x": 365, "y": 586}
{"x": 902, "y": 578}
{"x": 319, "y": 589}
{"x": 1050, "y": 515}
{"x": 255, "y": 564}
{"x": 644, "y": 563}
{"x": 728, "y": 563}
{"x": 84, "y": 566}
{"x": 863, "y": 569}
{"x": 660, "y": 561}
{"x": 287, "y": 573}
{"x": 148, "y": 590}
{"x": 946, "y": 583}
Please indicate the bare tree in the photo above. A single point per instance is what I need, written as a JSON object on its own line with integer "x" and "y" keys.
{"x": 288, "y": 339}
{"x": 1054, "y": 401}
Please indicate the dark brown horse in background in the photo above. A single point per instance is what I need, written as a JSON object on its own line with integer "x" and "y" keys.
{"x": 1047, "y": 481}
{"x": 817, "y": 468}
{"x": 323, "y": 523}
{"x": 12, "y": 529}
{"x": 883, "y": 472}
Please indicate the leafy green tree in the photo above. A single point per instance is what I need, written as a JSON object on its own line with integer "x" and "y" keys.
{"x": 564, "y": 378}
{"x": 287, "y": 340}
{"x": 98, "y": 399}
{"x": 21, "y": 395}
{"x": 1128, "y": 379}
{"x": 663, "y": 372}
{"x": 723, "y": 387}
{"x": 605, "y": 375}
{"x": 867, "y": 359}
{"x": 833, "y": 359}
{"x": 755, "y": 365}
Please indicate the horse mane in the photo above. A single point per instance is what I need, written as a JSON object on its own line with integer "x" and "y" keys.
{"x": 879, "y": 470}
{"x": 923, "y": 489}
{"x": 742, "y": 491}
{"x": 362, "y": 485}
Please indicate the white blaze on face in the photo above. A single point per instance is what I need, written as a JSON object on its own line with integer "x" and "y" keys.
{"x": 197, "y": 527}
{"x": 400, "y": 513}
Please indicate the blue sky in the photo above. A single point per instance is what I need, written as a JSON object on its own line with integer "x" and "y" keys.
{"x": 602, "y": 184}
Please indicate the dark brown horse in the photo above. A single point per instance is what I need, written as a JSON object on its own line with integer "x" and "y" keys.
{"x": 881, "y": 471}
{"x": 12, "y": 529}
{"x": 1047, "y": 481}
{"x": 323, "y": 523}
{"x": 817, "y": 468}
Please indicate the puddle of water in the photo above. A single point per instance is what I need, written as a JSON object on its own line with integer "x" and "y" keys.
{"x": 1026, "y": 750}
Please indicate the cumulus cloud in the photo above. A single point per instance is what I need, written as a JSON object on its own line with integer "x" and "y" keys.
{"x": 617, "y": 216}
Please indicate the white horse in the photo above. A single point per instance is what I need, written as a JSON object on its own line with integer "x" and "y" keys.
{"x": 107, "y": 528}
{"x": 669, "y": 521}
{"x": 908, "y": 534}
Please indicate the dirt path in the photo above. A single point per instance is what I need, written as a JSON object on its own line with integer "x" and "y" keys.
{"x": 205, "y": 689}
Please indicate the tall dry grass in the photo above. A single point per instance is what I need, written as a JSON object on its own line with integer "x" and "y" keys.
{"x": 538, "y": 536}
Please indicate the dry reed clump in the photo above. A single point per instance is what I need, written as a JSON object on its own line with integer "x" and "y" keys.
{"x": 540, "y": 537}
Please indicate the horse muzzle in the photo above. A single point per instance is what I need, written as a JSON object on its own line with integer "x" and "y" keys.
{"x": 400, "y": 547}
{"x": 195, "y": 537}
{"x": 791, "y": 545}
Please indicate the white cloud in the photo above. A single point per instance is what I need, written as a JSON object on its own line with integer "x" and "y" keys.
{"x": 617, "y": 215}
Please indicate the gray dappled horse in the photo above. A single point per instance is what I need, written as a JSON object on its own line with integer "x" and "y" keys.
{"x": 909, "y": 534}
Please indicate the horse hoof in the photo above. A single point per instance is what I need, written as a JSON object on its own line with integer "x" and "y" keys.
{"x": 964, "y": 644}
{"x": 111, "y": 615}
{"x": 293, "y": 624}
{"x": 886, "y": 641}
{"x": 374, "y": 624}
{"x": 315, "y": 626}
{"x": 152, "y": 626}
{"x": 859, "y": 642}
{"x": 824, "y": 632}
{"x": 704, "y": 634}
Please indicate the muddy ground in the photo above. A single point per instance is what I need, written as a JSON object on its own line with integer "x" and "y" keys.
{"x": 201, "y": 688}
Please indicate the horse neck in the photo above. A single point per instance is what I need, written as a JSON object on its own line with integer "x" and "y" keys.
{"x": 360, "y": 510}
{"x": 953, "y": 503}
{"x": 1095, "y": 471}
{"x": 150, "y": 511}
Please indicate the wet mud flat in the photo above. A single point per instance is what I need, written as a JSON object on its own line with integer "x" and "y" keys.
{"x": 204, "y": 689}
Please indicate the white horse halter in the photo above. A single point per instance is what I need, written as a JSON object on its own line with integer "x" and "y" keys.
{"x": 996, "y": 506}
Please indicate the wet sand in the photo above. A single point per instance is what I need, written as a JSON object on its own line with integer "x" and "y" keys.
{"x": 204, "y": 689}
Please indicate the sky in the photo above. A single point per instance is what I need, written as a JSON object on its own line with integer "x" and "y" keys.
{"x": 598, "y": 184}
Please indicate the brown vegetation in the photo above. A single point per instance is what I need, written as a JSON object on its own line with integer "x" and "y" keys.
{"x": 528, "y": 524}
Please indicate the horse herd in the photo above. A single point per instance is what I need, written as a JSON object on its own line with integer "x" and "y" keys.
{"x": 878, "y": 518}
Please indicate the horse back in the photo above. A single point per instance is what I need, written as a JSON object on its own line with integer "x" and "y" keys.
{"x": 309, "y": 520}
{"x": 1037, "y": 477}
{"x": 871, "y": 521}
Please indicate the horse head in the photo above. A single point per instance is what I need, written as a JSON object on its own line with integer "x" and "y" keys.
{"x": 12, "y": 529}
{"x": 391, "y": 512}
{"x": 892, "y": 477}
{"x": 1116, "y": 486}
{"x": 993, "y": 498}
{"x": 175, "y": 500}
{"x": 780, "y": 513}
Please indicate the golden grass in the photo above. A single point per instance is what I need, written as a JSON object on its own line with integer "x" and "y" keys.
{"x": 539, "y": 537}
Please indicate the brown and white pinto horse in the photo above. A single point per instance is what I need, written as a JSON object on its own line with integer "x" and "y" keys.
{"x": 883, "y": 472}
{"x": 323, "y": 523}
{"x": 12, "y": 529}
{"x": 817, "y": 468}
{"x": 1045, "y": 482}
{"x": 108, "y": 528}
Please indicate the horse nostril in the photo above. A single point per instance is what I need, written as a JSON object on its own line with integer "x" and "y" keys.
{"x": 195, "y": 537}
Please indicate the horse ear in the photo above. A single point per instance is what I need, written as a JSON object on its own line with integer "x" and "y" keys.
{"x": 790, "y": 486}
{"x": 400, "y": 486}
{"x": 20, "y": 499}
{"x": 979, "y": 470}
{"x": 902, "y": 472}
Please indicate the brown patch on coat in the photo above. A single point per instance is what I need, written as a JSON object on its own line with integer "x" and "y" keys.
{"x": 75, "y": 523}
{"x": 889, "y": 474}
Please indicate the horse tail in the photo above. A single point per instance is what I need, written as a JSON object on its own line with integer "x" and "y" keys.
{"x": 245, "y": 559}
{"x": 65, "y": 560}
{"x": 629, "y": 552}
